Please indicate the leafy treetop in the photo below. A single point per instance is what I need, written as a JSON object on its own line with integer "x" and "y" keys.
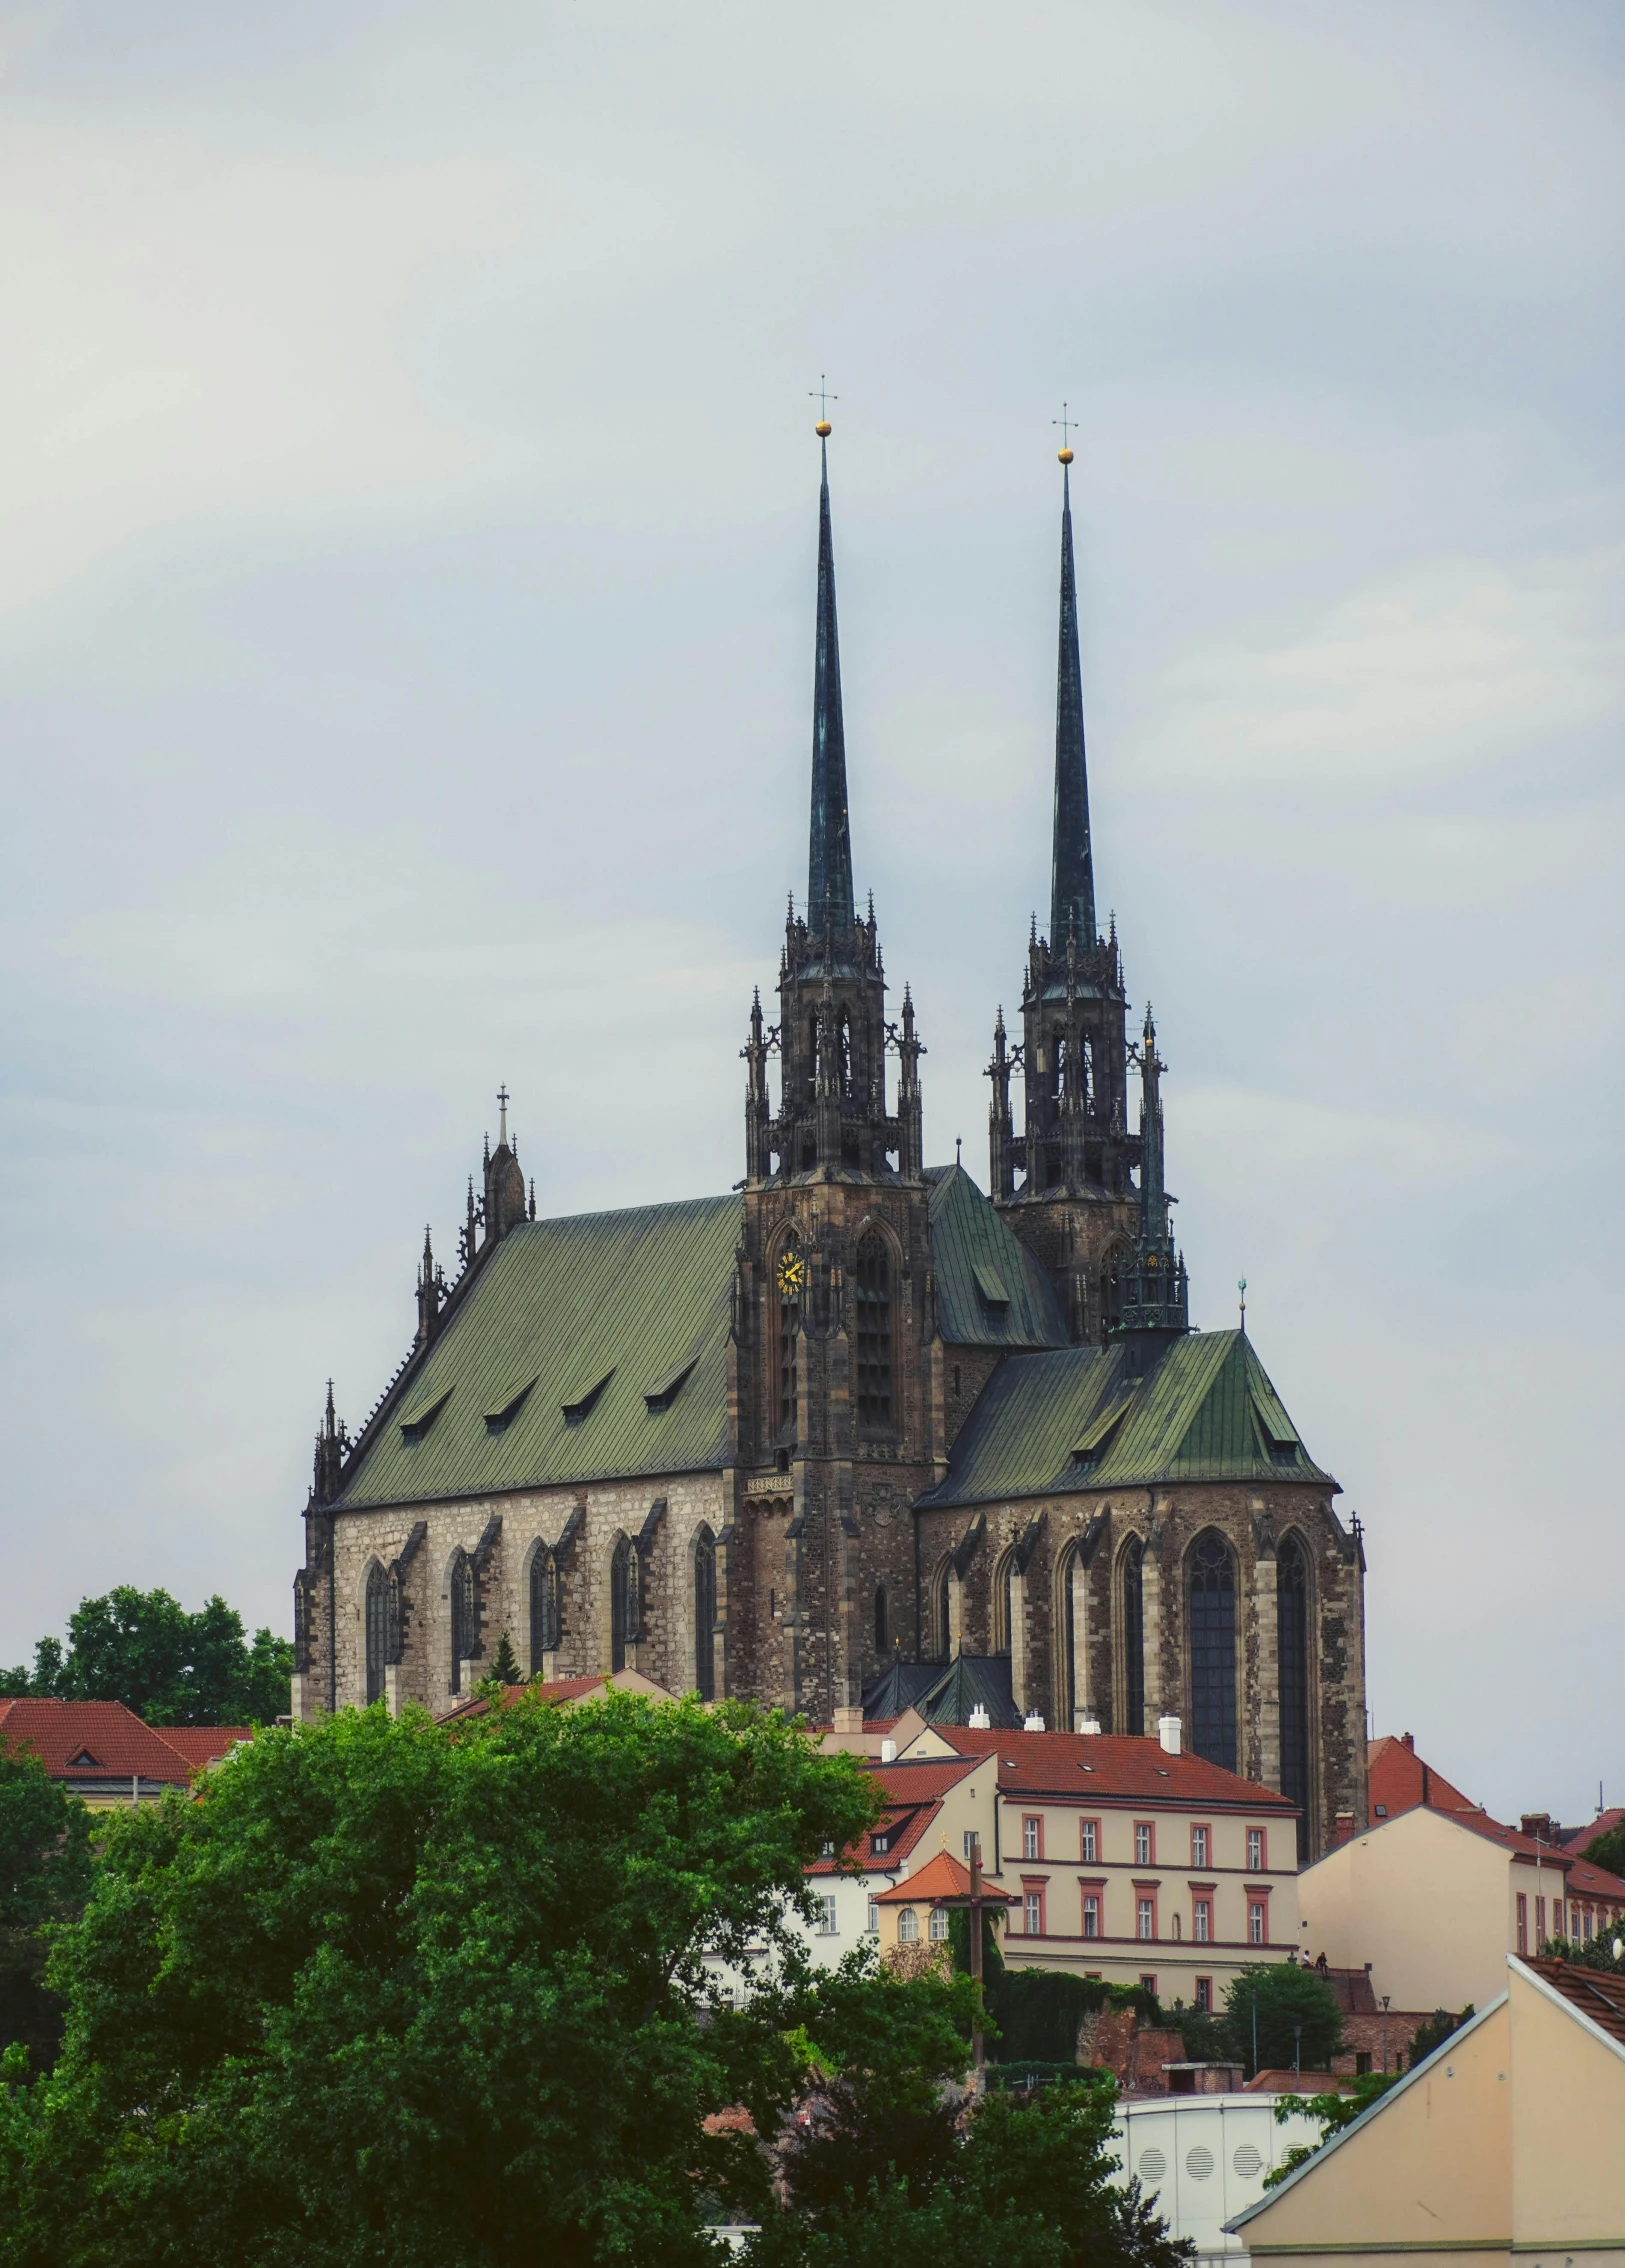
{"x": 171, "y": 1667}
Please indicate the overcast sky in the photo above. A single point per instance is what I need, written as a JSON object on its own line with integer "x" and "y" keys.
{"x": 409, "y": 511}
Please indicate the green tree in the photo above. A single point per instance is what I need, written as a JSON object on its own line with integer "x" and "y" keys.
{"x": 1298, "y": 2019}
{"x": 1608, "y": 1850}
{"x": 45, "y": 1871}
{"x": 170, "y": 1667}
{"x": 1433, "y": 2032}
{"x": 1334, "y": 2113}
{"x": 504, "y": 1669}
{"x": 389, "y": 1992}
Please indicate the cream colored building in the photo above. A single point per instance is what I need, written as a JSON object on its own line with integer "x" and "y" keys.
{"x": 1434, "y": 1901}
{"x": 1508, "y": 2140}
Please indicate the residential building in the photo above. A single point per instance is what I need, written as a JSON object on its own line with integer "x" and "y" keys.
{"x": 757, "y": 1442}
{"x": 1124, "y": 1858}
{"x": 106, "y": 1754}
{"x": 1434, "y": 1900}
{"x": 1502, "y": 2144}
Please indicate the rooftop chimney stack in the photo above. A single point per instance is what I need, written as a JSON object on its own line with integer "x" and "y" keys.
{"x": 1089, "y": 1725}
{"x": 1032, "y": 1722}
{"x": 979, "y": 1720}
{"x": 888, "y": 1752}
{"x": 1168, "y": 1732}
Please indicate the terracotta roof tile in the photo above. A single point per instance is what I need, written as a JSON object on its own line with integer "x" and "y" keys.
{"x": 1100, "y": 1767}
{"x": 205, "y": 1744}
{"x": 939, "y": 1882}
{"x": 91, "y": 1741}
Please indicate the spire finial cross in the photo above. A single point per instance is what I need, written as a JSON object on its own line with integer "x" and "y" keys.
{"x": 825, "y": 397}
{"x": 1066, "y": 424}
{"x": 502, "y": 1105}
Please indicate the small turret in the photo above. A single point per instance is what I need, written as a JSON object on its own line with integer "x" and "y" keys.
{"x": 332, "y": 1447}
{"x": 431, "y": 1292}
{"x": 504, "y": 1183}
{"x": 1152, "y": 1294}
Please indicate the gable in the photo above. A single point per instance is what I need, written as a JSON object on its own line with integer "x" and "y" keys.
{"x": 582, "y": 1349}
{"x": 991, "y": 1292}
{"x": 1056, "y": 1423}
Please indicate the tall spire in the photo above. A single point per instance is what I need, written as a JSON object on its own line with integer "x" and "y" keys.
{"x": 830, "y": 912}
{"x": 1072, "y": 894}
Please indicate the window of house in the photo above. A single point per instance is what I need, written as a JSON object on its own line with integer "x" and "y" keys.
{"x": 1540, "y": 1921}
{"x": 827, "y": 1926}
{"x": 1523, "y": 1923}
{"x": 873, "y": 1284}
{"x": 1204, "y": 1995}
{"x": 939, "y": 1925}
{"x": 1202, "y": 1921}
{"x": 1150, "y": 1984}
{"x": 1091, "y": 1914}
{"x": 1258, "y": 1922}
{"x": 1255, "y": 1850}
{"x": 1144, "y": 1844}
{"x": 828, "y": 1850}
{"x": 1032, "y": 1838}
{"x": 1033, "y": 1908}
{"x": 1198, "y": 1846}
{"x": 1089, "y": 1836}
{"x": 880, "y": 1844}
{"x": 971, "y": 1836}
{"x": 873, "y": 1923}
{"x": 1382, "y": 1811}
{"x": 908, "y": 1926}
{"x": 1147, "y": 1911}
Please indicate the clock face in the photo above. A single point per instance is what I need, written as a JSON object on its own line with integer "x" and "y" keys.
{"x": 792, "y": 1274}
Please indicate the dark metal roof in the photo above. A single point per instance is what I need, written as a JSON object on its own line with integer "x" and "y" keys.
{"x": 1205, "y": 1411}
{"x": 975, "y": 1255}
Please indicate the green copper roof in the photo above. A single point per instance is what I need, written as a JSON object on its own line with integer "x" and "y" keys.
{"x": 991, "y": 1292}
{"x": 1049, "y": 1424}
{"x": 602, "y": 1314}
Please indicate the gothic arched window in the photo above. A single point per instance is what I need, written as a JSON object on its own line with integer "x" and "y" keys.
{"x": 1065, "y": 1625}
{"x": 623, "y": 1603}
{"x": 705, "y": 1615}
{"x": 941, "y": 1633}
{"x": 1213, "y": 1650}
{"x": 1002, "y": 1575}
{"x": 1111, "y": 1290}
{"x": 844, "y": 1053}
{"x": 882, "y": 1621}
{"x": 377, "y": 1618}
{"x": 874, "y": 1331}
{"x": 1134, "y": 1636}
{"x": 789, "y": 1282}
{"x": 544, "y": 1607}
{"x": 465, "y": 1617}
{"x": 1292, "y": 1640}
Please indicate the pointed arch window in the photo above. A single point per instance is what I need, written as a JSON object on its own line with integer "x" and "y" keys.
{"x": 1066, "y": 1628}
{"x": 1213, "y": 1650}
{"x": 941, "y": 1631}
{"x": 1002, "y": 1574}
{"x": 1292, "y": 1640}
{"x": 1134, "y": 1636}
{"x": 874, "y": 1320}
{"x": 545, "y": 1617}
{"x": 377, "y": 1621}
{"x": 623, "y": 1603}
{"x": 705, "y": 1615}
{"x": 465, "y": 1617}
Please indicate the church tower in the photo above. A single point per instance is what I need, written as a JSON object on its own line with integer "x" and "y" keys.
{"x": 832, "y": 1306}
{"x": 1063, "y": 1183}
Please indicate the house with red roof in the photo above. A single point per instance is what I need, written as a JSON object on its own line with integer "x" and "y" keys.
{"x": 108, "y": 1755}
{"x": 1435, "y": 1894}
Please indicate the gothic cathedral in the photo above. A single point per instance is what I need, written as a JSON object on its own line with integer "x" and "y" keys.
{"x": 860, "y": 1436}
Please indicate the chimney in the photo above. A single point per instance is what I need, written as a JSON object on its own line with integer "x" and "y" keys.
{"x": 1032, "y": 1722}
{"x": 888, "y": 1752}
{"x": 1088, "y": 1724}
{"x": 1408, "y": 1740}
{"x": 1168, "y": 1732}
{"x": 1344, "y": 1827}
{"x": 979, "y": 1720}
{"x": 848, "y": 1720}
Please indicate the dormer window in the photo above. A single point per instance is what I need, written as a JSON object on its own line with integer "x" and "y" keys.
{"x": 880, "y": 1844}
{"x": 84, "y": 1762}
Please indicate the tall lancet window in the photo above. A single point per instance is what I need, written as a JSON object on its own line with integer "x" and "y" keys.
{"x": 874, "y": 1331}
{"x": 1292, "y": 1639}
{"x": 377, "y": 1630}
{"x": 1213, "y": 1650}
{"x": 1134, "y": 1636}
{"x": 623, "y": 1604}
{"x": 465, "y": 1617}
{"x": 544, "y": 1607}
{"x": 705, "y": 1615}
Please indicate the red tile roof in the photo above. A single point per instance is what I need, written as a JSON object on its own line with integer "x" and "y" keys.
{"x": 1397, "y": 1778}
{"x": 914, "y": 1793}
{"x": 205, "y": 1744}
{"x": 1594, "y": 1992}
{"x": 88, "y": 1741}
{"x": 1101, "y": 1767}
{"x": 939, "y": 1882}
{"x": 1575, "y": 1839}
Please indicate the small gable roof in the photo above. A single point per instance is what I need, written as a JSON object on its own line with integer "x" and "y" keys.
{"x": 1059, "y": 1423}
{"x": 597, "y": 1344}
{"x": 942, "y": 1881}
{"x": 991, "y": 1292}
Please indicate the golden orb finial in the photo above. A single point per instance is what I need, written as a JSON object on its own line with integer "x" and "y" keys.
{"x": 1065, "y": 456}
{"x": 823, "y": 429}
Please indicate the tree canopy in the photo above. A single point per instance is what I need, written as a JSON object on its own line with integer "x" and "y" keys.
{"x": 171, "y": 1667}
{"x": 44, "y": 1875}
{"x": 1299, "y": 2019}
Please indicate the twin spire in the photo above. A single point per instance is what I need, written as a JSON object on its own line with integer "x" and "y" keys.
{"x": 1072, "y": 883}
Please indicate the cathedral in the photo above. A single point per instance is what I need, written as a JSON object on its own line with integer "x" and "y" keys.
{"x": 860, "y": 1435}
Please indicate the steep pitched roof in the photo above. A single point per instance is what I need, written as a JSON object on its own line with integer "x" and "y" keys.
{"x": 205, "y": 1744}
{"x": 942, "y": 1881}
{"x": 1398, "y": 1780}
{"x": 1576, "y": 1838}
{"x": 970, "y": 1681}
{"x": 1053, "y": 1424}
{"x": 1102, "y": 1767}
{"x": 559, "y": 1361}
{"x": 86, "y": 1742}
{"x": 991, "y": 1292}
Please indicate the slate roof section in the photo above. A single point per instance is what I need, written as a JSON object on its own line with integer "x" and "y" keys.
{"x": 1107, "y": 1767}
{"x": 619, "y": 1302}
{"x": 1206, "y": 1411}
{"x": 969, "y": 1239}
{"x": 971, "y": 1681}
